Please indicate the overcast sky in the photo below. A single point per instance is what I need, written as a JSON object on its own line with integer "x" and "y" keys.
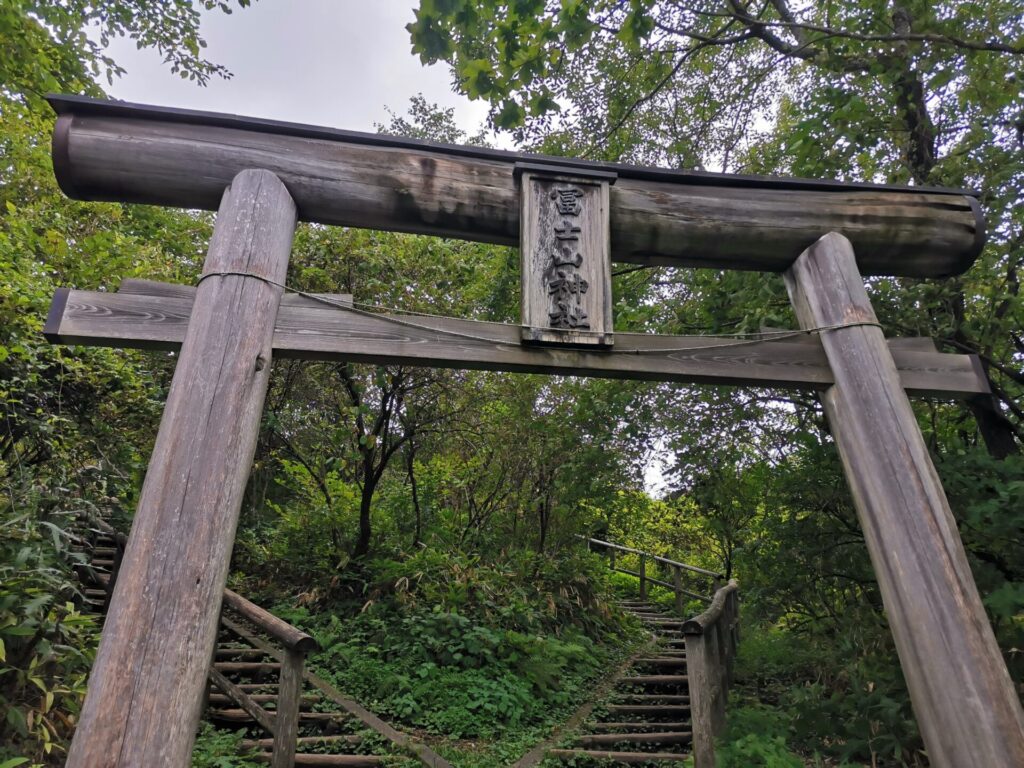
{"x": 334, "y": 63}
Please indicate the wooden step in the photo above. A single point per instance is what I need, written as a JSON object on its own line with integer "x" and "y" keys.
{"x": 653, "y": 680}
{"x": 352, "y": 761}
{"x": 638, "y": 725}
{"x": 662, "y": 661}
{"x": 234, "y": 653}
{"x": 262, "y": 687}
{"x": 306, "y": 741}
{"x": 665, "y": 698}
{"x": 241, "y": 716}
{"x": 323, "y": 717}
{"x": 217, "y": 699}
{"x": 648, "y": 709}
{"x": 630, "y": 758}
{"x": 247, "y": 667}
{"x": 608, "y": 739}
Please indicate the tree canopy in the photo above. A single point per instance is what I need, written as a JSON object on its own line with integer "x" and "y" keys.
{"x": 388, "y": 504}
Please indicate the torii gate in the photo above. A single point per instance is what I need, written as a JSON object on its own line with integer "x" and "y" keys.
{"x": 570, "y": 218}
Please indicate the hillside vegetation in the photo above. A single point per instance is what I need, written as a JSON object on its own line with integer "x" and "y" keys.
{"x": 422, "y": 523}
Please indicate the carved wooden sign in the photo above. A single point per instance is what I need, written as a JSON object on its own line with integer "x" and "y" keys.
{"x": 565, "y": 255}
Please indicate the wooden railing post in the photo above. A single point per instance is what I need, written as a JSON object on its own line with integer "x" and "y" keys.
{"x": 643, "y": 577}
{"x": 143, "y": 703}
{"x": 709, "y": 659}
{"x": 962, "y": 694}
{"x": 700, "y": 674}
{"x": 289, "y": 695}
{"x": 677, "y": 583}
{"x": 611, "y": 559}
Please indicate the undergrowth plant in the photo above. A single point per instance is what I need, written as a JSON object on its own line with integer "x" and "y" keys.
{"x": 46, "y": 643}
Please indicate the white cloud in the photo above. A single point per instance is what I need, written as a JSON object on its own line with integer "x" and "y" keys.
{"x": 334, "y": 63}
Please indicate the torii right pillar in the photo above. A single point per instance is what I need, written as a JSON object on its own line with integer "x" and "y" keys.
{"x": 962, "y": 694}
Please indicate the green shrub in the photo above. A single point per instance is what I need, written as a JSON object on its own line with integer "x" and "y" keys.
{"x": 46, "y": 644}
{"x": 220, "y": 749}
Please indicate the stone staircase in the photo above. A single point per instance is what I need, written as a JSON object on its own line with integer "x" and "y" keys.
{"x": 646, "y": 718}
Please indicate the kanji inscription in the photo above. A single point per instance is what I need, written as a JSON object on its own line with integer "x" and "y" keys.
{"x": 565, "y": 257}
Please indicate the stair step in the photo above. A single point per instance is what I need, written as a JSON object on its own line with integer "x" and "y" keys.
{"x": 630, "y": 758}
{"x": 648, "y": 709}
{"x": 247, "y": 667}
{"x": 607, "y": 739}
{"x": 261, "y": 698}
{"x": 241, "y": 716}
{"x": 234, "y": 653}
{"x": 637, "y": 725}
{"x": 262, "y": 687}
{"x": 665, "y": 698}
{"x": 353, "y": 761}
{"x": 654, "y": 680}
{"x": 663, "y": 662}
{"x": 305, "y": 741}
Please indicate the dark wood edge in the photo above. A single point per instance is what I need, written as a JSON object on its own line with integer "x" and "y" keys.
{"x": 699, "y": 623}
{"x": 980, "y": 235}
{"x": 64, "y": 104}
{"x": 61, "y": 154}
{"x": 588, "y": 174}
{"x": 59, "y": 302}
{"x": 982, "y": 375}
{"x": 285, "y": 633}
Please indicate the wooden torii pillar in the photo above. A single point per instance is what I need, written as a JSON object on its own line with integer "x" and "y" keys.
{"x": 146, "y": 688}
{"x": 160, "y": 633}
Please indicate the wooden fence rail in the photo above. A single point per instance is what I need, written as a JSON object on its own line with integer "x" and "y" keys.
{"x": 283, "y": 723}
{"x": 643, "y": 573}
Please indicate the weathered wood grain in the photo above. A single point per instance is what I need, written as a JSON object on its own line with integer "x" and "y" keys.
{"x": 290, "y": 637}
{"x": 289, "y": 693}
{"x": 109, "y": 151}
{"x": 962, "y": 695}
{"x": 316, "y": 331}
{"x": 709, "y": 656}
{"x": 546, "y": 258}
{"x": 266, "y": 720}
{"x": 162, "y": 625}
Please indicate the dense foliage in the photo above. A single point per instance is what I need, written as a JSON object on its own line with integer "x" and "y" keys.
{"x": 421, "y": 523}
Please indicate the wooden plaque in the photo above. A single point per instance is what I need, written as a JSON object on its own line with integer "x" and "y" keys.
{"x": 565, "y": 256}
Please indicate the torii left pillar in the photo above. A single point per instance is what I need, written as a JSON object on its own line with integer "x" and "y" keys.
{"x": 145, "y": 692}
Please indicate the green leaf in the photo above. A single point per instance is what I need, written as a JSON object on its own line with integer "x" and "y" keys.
{"x": 511, "y": 115}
